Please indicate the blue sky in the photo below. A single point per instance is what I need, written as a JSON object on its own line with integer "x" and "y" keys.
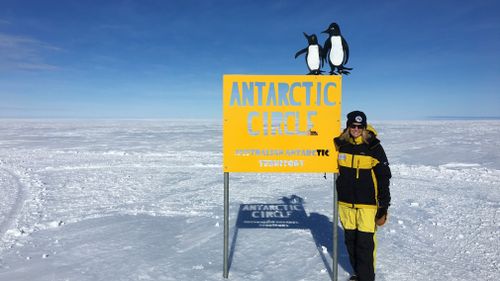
{"x": 165, "y": 59}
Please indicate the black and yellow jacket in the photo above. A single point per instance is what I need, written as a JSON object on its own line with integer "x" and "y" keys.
{"x": 364, "y": 172}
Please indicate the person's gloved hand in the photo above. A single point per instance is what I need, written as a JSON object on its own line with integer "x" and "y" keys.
{"x": 381, "y": 216}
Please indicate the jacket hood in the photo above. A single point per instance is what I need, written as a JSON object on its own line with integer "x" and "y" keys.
{"x": 372, "y": 130}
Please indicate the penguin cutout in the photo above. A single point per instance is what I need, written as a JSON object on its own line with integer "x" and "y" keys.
{"x": 313, "y": 54}
{"x": 336, "y": 50}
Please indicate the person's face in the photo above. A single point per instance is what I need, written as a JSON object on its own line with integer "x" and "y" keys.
{"x": 355, "y": 129}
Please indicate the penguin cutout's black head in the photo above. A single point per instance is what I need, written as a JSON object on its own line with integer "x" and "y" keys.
{"x": 333, "y": 29}
{"x": 312, "y": 39}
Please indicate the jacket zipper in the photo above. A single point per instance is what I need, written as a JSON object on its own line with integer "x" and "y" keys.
{"x": 357, "y": 170}
{"x": 353, "y": 190}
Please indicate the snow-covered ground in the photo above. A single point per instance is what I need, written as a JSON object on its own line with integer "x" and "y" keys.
{"x": 143, "y": 200}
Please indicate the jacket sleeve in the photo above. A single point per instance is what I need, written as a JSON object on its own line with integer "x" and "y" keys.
{"x": 383, "y": 174}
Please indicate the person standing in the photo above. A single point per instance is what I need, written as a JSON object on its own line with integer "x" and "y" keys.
{"x": 363, "y": 192}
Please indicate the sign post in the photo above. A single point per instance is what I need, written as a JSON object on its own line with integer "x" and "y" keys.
{"x": 335, "y": 223}
{"x": 226, "y": 224}
{"x": 280, "y": 123}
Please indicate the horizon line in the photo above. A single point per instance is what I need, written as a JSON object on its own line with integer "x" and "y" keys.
{"x": 447, "y": 117}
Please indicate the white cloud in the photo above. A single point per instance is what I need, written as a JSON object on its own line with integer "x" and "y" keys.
{"x": 24, "y": 53}
{"x": 36, "y": 66}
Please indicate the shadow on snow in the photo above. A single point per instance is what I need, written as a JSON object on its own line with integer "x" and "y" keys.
{"x": 290, "y": 214}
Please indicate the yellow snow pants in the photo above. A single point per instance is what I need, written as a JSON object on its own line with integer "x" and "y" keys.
{"x": 360, "y": 239}
{"x": 359, "y": 217}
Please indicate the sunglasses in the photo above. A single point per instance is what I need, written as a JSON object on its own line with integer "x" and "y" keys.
{"x": 356, "y": 126}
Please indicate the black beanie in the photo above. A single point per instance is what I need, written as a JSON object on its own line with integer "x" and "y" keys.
{"x": 356, "y": 117}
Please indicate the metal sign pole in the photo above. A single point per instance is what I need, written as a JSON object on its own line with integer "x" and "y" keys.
{"x": 226, "y": 225}
{"x": 335, "y": 227}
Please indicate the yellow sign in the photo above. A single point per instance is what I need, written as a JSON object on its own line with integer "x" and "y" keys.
{"x": 281, "y": 123}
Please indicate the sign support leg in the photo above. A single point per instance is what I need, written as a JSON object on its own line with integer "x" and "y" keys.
{"x": 335, "y": 230}
{"x": 226, "y": 225}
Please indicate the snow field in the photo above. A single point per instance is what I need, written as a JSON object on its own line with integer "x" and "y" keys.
{"x": 142, "y": 200}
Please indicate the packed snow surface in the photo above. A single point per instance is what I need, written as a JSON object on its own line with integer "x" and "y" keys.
{"x": 143, "y": 200}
